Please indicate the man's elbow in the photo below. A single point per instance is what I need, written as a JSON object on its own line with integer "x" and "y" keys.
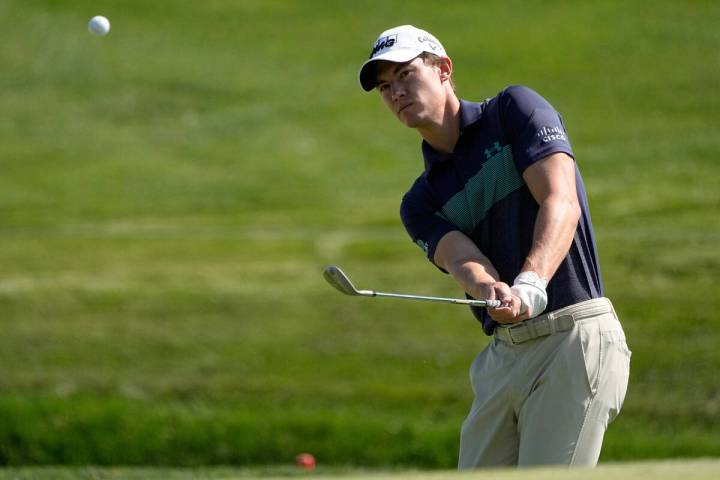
{"x": 575, "y": 211}
{"x": 564, "y": 207}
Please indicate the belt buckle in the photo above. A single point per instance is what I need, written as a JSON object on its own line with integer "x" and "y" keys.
{"x": 509, "y": 331}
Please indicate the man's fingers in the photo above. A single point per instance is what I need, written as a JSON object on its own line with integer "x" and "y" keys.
{"x": 509, "y": 312}
{"x": 501, "y": 291}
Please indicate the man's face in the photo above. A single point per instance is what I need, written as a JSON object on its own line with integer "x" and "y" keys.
{"x": 413, "y": 91}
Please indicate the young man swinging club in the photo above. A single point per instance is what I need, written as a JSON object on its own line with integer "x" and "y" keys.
{"x": 501, "y": 207}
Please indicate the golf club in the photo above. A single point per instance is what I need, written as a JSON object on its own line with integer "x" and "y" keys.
{"x": 339, "y": 280}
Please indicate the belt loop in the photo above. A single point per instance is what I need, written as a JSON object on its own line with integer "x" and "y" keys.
{"x": 518, "y": 328}
{"x": 531, "y": 327}
{"x": 551, "y": 323}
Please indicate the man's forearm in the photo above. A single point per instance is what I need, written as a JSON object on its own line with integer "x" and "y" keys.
{"x": 552, "y": 183}
{"x": 475, "y": 275}
{"x": 468, "y": 266}
{"x": 555, "y": 227}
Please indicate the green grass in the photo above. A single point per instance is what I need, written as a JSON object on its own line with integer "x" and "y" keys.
{"x": 170, "y": 193}
{"x": 700, "y": 469}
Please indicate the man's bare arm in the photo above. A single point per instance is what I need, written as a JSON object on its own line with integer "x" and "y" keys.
{"x": 457, "y": 254}
{"x": 552, "y": 183}
{"x": 474, "y": 272}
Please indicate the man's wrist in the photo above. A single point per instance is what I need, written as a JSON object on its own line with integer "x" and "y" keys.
{"x": 529, "y": 287}
{"x": 531, "y": 278}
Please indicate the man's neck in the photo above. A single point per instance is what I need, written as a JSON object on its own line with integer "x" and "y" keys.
{"x": 444, "y": 135}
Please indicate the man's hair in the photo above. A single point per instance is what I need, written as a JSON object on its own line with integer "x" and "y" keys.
{"x": 434, "y": 61}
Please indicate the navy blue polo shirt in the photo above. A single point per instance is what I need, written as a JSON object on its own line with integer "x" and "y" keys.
{"x": 479, "y": 190}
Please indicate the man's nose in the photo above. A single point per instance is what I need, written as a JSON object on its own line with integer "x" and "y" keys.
{"x": 397, "y": 91}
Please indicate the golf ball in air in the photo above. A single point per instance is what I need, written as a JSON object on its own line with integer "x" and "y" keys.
{"x": 99, "y": 25}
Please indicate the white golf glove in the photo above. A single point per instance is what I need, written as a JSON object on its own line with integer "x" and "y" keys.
{"x": 530, "y": 289}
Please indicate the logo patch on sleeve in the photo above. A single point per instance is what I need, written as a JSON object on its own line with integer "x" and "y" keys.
{"x": 551, "y": 134}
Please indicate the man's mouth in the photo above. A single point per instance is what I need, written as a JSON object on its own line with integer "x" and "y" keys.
{"x": 403, "y": 107}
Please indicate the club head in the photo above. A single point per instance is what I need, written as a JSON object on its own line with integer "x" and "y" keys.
{"x": 339, "y": 280}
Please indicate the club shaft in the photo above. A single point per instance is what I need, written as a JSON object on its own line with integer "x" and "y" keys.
{"x": 459, "y": 301}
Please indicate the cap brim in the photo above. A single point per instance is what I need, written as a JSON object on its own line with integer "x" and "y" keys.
{"x": 367, "y": 74}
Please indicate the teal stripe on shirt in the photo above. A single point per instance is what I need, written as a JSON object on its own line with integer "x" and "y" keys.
{"x": 497, "y": 178}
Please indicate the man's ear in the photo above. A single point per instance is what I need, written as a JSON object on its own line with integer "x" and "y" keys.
{"x": 445, "y": 68}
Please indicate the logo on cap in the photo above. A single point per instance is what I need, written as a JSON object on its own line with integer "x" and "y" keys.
{"x": 383, "y": 43}
{"x": 431, "y": 41}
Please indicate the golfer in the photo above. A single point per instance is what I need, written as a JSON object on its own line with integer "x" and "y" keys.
{"x": 501, "y": 207}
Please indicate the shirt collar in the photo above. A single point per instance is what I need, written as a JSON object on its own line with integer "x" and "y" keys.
{"x": 470, "y": 113}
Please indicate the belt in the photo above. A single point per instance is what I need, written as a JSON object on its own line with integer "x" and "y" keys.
{"x": 559, "y": 320}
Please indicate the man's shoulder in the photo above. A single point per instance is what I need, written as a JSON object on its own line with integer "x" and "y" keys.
{"x": 509, "y": 92}
{"x": 508, "y": 97}
{"x": 517, "y": 91}
{"x": 516, "y": 95}
{"x": 522, "y": 97}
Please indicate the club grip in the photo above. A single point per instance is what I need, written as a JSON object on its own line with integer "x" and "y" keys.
{"x": 493, "y": 303}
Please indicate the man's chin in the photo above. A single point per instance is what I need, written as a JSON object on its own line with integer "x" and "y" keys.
{"x": 411, "y": 121}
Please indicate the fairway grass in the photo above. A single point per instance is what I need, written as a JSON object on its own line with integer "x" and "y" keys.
{"x": 698, "y": 469}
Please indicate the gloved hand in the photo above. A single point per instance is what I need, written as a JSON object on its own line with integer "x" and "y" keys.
{"x": 530, "y": 289}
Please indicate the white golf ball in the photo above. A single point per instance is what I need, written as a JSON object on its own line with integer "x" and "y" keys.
{"x": 99, "y": 25}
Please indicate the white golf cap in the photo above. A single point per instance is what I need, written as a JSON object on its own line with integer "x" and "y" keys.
{"x": 400, "y": 44}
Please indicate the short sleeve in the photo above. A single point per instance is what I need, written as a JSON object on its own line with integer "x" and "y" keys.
{"x": 534, "y": 128}
{"x": 421, "y": 219}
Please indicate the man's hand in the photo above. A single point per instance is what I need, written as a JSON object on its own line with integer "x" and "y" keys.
{"x": 510, "y": 310}
{"x": 457, "y": 254}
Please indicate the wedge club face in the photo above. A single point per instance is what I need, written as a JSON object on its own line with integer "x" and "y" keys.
{"x": 340, "y": 281}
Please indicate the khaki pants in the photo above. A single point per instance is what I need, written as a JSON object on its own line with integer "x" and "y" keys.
{"x": 546, "y": 389}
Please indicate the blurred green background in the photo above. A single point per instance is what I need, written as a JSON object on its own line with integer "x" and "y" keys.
{"x": 170, "y": 193}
